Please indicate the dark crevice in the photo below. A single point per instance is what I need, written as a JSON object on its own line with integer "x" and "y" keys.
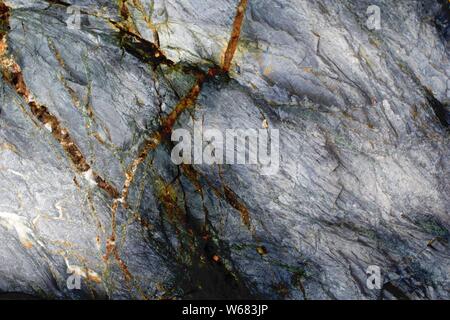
{"x": 440, "y": 110}
{"x": 395, "y": 291}
{"x": 140, "y": 48}
{"x": 214, "y": 277}
{"x": 442, "y": 20}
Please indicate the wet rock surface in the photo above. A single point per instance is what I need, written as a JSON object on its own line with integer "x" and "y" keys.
{"x": 89, "y": 190}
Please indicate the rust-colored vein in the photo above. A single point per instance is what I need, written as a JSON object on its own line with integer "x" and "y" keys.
{"x": 187, "y": 102}
{"x": 149, "y": 144}
{"x": 147, "y": 19}
{"x": 123, "y": 9}
{"x": 13, "y": 75}
{"x": 151, "y": 53}
{"x": 139, "y": 47}
{"x": 112, "y": 250}
{"x": 4, "y": 26}
{"x": 147, "y": 52}
{"x": 233, "y": 200}
{"x": 235, "y": 35}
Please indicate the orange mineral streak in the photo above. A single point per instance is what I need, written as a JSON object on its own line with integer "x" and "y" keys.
{"x": 235, "y": 35}
{"x": 150, "y": 144}
{"x": 12, "y": 74}
{"x": 185, "y": 103}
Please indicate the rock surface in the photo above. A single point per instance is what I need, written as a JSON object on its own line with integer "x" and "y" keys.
{"x": 89, "y": 191}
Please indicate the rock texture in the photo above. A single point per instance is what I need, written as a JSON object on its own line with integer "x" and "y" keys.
{"x": 88, "y": 188}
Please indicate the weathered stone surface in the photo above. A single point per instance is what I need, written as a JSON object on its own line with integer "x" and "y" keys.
{"x": 364, "y": 149}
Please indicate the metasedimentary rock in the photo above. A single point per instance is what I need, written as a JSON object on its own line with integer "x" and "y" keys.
{"x": 92, "y": 92}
